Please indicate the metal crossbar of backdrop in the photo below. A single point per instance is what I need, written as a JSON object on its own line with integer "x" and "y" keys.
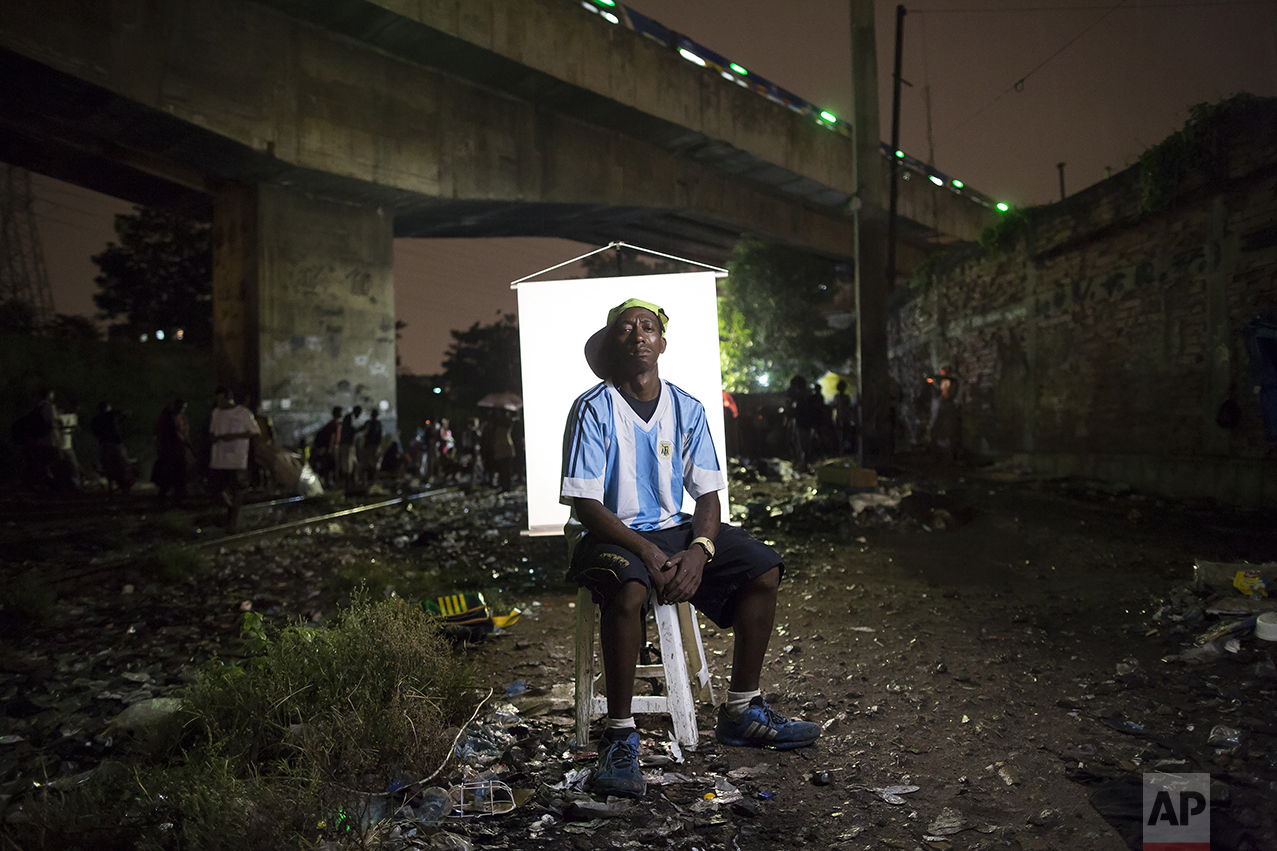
{"x": 555, "y": 320}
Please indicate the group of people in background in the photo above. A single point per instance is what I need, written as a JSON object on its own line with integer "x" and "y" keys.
{"x": 813, "y": 429}
{"x": 347, "y": 453}
{"x": 45, "y": 437}
{"x": 480, "y": 453}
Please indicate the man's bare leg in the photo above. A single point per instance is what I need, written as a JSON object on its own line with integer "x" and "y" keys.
{"x": 620, "y": 638}
{"x": 754, "y": 618}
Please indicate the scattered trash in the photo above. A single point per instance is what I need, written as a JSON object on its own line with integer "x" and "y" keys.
{"x": 751, "y": 772}
{"x": 1223, "y": 575}
{"x": 445, "y": 841}
{"x": 487, "y": 797}
{"x": 1251, "y": 584}
{"x": 1224, "y": 737}
{"x": 1122, "y": 724}
{"x": 1231, "y": 628}
{"x": 433, "y": 805}
{"x": 886, "y": 499}
{"x": 891, "y": 794}
{"x": 1009, "y": 775}
{"x": 949, "y": 822}
{"x": 586, "y": 809}
{"x": 515, "y": 688}
{"x": 820, "y": 778}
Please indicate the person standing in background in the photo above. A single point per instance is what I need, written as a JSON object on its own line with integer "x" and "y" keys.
{"x": 371, "y": 461}
{"x": 108, "y": 428}
{"x": 346, "y": 458}
{"x": 172, "y": 444}
{"x": 231, "y": 428}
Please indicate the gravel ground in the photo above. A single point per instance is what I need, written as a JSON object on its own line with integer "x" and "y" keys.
{"x": 996, "y": 642}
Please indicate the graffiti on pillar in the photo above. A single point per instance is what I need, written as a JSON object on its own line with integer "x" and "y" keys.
{"x": 307, "y": 279}
{"x": 378, "y": 368}
{"x": 360, "y": 281}
{"x": 362, "y": 360}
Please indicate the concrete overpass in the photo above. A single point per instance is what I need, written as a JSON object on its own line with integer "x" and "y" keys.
{"x": 312, "y": 132}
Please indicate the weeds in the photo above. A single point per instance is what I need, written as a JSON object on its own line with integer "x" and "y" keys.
{"x": 382, "y": 577}
{"x": 176, "y": 562}
{"x": 176, "y": 524}
{"x": 283, "y": 753}
{"x": 27, "y": 599}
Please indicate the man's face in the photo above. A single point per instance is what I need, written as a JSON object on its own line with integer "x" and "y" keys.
{"x": 636, "y": 341}
{"x": 224, "y": 400}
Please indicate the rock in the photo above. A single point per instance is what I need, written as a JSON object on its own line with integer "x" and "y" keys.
{"x": 147, "y": 713}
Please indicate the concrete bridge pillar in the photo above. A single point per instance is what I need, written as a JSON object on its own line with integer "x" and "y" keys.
{"x": 303, "y": 306}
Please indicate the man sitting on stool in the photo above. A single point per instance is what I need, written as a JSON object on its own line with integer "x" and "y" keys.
{"x": 631, "y": 446}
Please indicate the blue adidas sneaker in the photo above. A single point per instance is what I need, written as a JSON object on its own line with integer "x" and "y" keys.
{"x": 617, "y": 772}
{"x": 760, "y": 726}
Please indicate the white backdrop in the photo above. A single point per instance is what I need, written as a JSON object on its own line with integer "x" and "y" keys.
{"x": 555, "y": 320}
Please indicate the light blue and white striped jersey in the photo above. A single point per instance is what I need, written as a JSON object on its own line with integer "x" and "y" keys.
{"x": 638, "y": 469}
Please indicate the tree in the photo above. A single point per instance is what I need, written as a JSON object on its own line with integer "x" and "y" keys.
{"x": 483, "y": 359}
{"x": 772, "y": 318}
{"x": 72, "y": 328}
{"x": 159, "y": 276}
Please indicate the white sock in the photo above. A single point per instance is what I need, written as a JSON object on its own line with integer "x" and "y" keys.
{"x": 738, "y": 701}
{"x": 618, "y": 724}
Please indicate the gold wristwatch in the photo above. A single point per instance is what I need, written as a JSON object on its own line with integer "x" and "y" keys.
{"x": 707, "y": 545}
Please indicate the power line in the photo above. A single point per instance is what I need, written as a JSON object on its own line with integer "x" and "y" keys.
{"x": 1190, "y": 4}
{"x": 1018, "y": 85}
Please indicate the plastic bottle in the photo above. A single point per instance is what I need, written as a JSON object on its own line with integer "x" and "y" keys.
{"x": 434, "y": 805}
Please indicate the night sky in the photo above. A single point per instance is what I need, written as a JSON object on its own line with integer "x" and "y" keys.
{"x": 1123, "y": 79}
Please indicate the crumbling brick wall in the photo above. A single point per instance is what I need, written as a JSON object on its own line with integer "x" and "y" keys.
{"x": 1103, "y": 328}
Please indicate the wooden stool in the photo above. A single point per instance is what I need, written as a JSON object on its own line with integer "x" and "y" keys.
{"x": 678, "y": 632}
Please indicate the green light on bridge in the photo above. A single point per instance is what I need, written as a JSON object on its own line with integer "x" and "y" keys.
{"x": 606, "y": 2}
{"x": 828, "y": 116}
{"x": 1003, "y": 206}
{"x": 900, "y": 154}
{"x": 738, "y": 69}
{"x": 957, "y": 184}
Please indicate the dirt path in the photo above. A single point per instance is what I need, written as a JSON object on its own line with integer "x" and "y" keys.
{"x": 975, "y": 663}
{"x": 998, "y": 645}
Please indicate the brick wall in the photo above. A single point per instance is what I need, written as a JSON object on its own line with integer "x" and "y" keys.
{"x": 1104, "y": 331}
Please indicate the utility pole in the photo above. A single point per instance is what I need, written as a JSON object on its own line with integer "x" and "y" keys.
{"x": 22, "y": 274}
{"x": 895, "y": 146}
{"x": 1060, "y": 166}
{"x": 870, "y": 243}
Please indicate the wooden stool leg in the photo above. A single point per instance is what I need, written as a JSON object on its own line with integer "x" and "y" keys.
{"x": 678, "y": 688}
{"x": 694, "y": 649}
{"x": 585, "y": 666}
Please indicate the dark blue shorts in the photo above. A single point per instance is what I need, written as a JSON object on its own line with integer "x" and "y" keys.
{"x": 603, "y": 568}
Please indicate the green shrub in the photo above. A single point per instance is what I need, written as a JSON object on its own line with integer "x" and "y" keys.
{"x": 176, "y": 562}
{"x": 1201, "y": 147}
{"x": 283, "y": 753}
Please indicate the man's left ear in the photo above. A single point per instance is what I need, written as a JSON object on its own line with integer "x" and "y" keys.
{"x": 662, "y": 351}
